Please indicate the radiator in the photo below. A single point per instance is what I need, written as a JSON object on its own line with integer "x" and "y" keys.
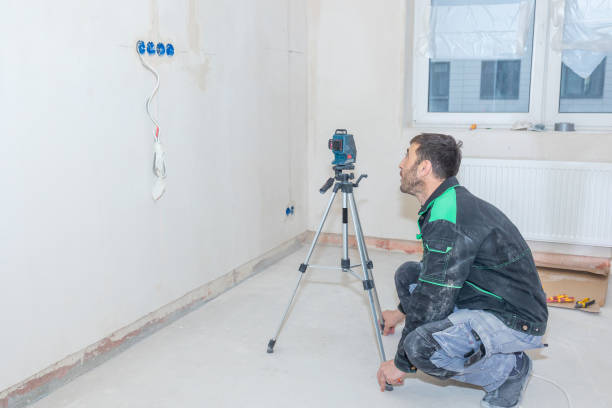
{"x": 550, "y": 201}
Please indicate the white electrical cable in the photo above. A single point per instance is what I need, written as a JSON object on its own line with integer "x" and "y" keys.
{"x": 567, "y": 397}
{"x": 148, "y": 104}
{"x": 159, "y": 163}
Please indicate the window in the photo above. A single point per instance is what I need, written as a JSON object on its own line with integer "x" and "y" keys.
{"x": 473, "y": 85}
{"x": 591, "y": 94}
{"x": 543, "y": 84}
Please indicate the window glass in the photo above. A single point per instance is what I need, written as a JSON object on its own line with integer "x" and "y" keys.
{"x": 592, "y": 94}
{"x": 500, "y": 79}
{"x": 470, "y": 85}
{"x": 439, "y": 76}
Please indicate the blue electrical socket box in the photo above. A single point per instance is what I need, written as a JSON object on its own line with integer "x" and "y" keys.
{"x": 151, "y": 49}
{"x": 140, "y": 45}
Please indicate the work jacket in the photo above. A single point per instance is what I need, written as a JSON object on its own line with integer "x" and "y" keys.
{"x": 473, "y": 258}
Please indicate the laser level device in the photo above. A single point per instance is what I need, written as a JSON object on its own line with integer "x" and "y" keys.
{"x": 343, "y": 146}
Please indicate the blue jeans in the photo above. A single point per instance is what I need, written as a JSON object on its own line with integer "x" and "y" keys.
{"x": 470, "y": 346}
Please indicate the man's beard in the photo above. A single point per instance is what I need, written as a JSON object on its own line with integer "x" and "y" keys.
{"x": 410, "y": 183}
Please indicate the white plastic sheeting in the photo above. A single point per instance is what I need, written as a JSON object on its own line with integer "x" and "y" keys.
{"x": 583, "y": 30}
{"x": 582, "y": 62}
{"x": 477, "y": 29}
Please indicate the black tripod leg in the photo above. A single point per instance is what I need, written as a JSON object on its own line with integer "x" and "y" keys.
{"x": 302, "y": 270}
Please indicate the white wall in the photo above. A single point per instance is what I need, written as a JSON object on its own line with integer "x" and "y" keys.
{"x": 357, "y": 80}
{"x": 83, "y": 248}
{"x": 355, "y": 72}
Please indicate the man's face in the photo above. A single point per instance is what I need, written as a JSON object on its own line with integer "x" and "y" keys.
{"x": 410, "y": 182}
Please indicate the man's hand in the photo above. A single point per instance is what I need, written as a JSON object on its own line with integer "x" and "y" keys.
{"x": 389, "y": 373}
{"x": 392, "y": 318}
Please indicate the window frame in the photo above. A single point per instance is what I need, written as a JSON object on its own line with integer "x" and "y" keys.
{"x": 545, "y": 84}
{"x": 588, "y": 121}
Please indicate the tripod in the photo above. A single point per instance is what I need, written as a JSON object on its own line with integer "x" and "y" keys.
{"x": 344, "y": 183}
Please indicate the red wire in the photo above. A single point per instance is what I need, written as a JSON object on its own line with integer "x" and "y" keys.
{"x": 157, "y": 132}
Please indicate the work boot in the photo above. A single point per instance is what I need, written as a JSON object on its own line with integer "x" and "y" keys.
{"x": 508, "y": 395}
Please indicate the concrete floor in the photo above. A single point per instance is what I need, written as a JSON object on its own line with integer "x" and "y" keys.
{"x": 326, "y": 355}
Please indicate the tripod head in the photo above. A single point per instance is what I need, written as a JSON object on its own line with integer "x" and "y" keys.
{"x": 342, "y": 178}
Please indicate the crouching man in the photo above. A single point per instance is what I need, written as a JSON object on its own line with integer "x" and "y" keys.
{"x": 475, "y": 301}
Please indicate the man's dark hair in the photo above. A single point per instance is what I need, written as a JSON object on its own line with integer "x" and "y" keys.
{"x": 442, "y": 151}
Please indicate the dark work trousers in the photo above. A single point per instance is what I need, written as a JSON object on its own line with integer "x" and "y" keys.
{"x": 471, "y": 346}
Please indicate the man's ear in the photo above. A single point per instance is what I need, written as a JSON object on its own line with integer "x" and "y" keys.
{"x": 425, "y": 168}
